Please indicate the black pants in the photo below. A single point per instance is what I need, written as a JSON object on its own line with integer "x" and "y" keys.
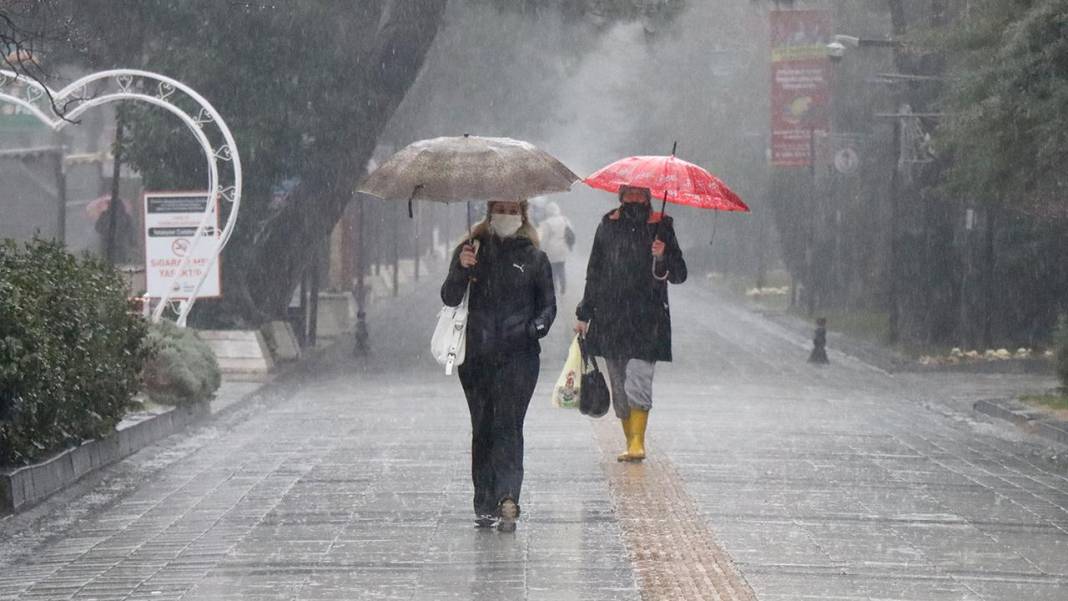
{"x": 498, "y": 390}
{"x": 559, "y": 277}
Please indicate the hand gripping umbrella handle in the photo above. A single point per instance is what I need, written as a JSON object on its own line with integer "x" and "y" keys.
{"x": 659, "y": 278}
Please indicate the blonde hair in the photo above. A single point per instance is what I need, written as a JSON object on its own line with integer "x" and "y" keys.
{"x": 527, "y": 230}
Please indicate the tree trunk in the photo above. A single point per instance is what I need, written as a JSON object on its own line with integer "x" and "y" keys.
{"x": 286, "y": 245}
{"x": 965, "y": 329}
{"x": 894, "y": 269}
{"x": 989, "y": 256}
{"x": 115, "y": 203}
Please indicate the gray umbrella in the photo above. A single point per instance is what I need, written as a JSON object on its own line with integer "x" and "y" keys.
{"x": 468, "y": 168}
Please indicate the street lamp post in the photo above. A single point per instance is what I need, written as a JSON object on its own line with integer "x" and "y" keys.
{"x": 837, "y": 51}
{"x": 813, "y": 219}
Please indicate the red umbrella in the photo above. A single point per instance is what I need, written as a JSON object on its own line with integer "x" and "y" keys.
{"x": 96, "y": 207}
{"x": 671, "y": 179}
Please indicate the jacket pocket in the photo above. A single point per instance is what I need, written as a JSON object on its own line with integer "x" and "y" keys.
{"x": 516, "y": 331}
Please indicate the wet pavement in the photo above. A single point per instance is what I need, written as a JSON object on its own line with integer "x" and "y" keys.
{"x": 796, "y": 482}
{"x": 848, "y": 483}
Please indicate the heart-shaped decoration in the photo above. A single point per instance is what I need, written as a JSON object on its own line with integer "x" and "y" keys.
{"x": 163, "y": 92}
{"x": 124, "y": 80}
{"x": 33, "y": 95}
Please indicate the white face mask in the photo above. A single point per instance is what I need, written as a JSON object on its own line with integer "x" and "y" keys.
{"x": 505, "y": 226}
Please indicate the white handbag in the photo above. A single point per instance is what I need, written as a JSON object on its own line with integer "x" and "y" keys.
{"x": 449, "y": 343}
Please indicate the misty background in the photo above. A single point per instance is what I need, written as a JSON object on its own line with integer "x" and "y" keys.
{"x": 947, "y": 233}
{"x": 590, "y": 93}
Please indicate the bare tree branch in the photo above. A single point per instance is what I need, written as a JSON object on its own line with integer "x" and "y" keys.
{"x": 25, "y": 26}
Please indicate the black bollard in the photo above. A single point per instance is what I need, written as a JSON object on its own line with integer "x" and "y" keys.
{"x": 362, "y": 335}
{"x": 819, "y": 343}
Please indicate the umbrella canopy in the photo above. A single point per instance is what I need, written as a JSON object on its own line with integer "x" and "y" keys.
{"x": 96, "y": 207}
{"x": 466, "y": 168}
{"x": 671, "y": 179}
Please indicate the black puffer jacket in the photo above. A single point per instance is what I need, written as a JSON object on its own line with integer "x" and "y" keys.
{"x": 626, "y": 306}
{"x": 512, "y": 302}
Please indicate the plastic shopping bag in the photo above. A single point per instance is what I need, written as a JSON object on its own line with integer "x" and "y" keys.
{"x": 566, "y": 391}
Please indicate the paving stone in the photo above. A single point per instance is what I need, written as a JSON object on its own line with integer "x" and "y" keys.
{"x": 352, "y": 483}
{"x": 848, "y": 483}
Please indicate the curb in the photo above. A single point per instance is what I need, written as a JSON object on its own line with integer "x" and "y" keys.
{"x": 1031, "y": 420}
{"x": 1034, "y": 366}
{"x": 23, "y": 487}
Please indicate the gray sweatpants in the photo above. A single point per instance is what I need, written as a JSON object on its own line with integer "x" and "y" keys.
{"x": 632, "y": 384}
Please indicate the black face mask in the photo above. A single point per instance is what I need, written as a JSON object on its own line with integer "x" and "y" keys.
{"x": 635, "y": 211}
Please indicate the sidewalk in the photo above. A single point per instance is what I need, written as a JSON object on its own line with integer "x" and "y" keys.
{"x": 350, "y": 484}
{"x": 768, "y": 478}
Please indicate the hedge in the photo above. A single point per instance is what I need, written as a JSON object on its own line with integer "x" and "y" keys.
{"x": 71, "y": 352}
{"x": 183, "y": 369}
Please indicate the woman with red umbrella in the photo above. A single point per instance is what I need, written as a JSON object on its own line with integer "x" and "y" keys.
{"x": 624, "y": 314}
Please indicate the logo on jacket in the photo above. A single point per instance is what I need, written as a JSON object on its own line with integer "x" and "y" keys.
{"x": 519, "y": 267}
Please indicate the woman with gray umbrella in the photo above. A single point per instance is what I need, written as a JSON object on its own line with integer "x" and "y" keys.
{"x": 511, "y": 305}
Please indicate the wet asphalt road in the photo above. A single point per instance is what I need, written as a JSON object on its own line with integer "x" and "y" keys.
{"x": 350, "y": 482}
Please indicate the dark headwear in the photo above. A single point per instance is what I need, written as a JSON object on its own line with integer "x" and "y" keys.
{"x": 648, "y": 194}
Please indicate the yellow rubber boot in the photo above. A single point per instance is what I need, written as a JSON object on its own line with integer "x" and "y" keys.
{"x": 636, "y": 443}
{"x": 628, "y": 432}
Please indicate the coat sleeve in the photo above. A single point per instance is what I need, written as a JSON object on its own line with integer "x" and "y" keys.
{"x": 545, "y": 299}
{"x": 452, "y": 291}
{"x": 587, "y": 309}
{"x": 673, "y": 260}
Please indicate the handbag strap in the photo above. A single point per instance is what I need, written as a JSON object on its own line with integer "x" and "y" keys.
{"x": 454, "y": 346}
{"x": 467, "y": 296}
{"x": 588, "y": 360}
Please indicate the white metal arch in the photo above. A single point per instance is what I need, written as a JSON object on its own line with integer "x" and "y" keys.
{"x": 160, "y": 91}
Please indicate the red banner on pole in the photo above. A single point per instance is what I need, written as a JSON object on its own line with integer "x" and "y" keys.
{"x": 800, "y": 94}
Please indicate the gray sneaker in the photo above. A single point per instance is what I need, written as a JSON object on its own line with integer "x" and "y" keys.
{"x": 509, "y": 512}
{"x": 485, "y": 520}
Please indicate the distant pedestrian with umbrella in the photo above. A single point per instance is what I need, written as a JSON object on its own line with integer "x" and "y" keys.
{"x": 505, "y": 282}
{"x": 557, "y": 240}
{"x": 624, "y": 314}
{"x": 114, "y": 226}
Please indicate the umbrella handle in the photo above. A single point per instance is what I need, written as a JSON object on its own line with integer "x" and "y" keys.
{"x": 470, "y": 232}
{"x": 656, "y": 234}
{"x": 659, "y": 278}
{"x": 415, "y": 190}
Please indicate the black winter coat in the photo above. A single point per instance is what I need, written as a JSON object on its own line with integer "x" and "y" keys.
{"x": 627, "y": 307}
{"x": 512, "y": 303}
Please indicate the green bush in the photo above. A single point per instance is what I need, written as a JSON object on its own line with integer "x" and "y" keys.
{"x": 1060, "y": 347}
{"x": 70, "y": 350}
{"x": 183, "y": 369}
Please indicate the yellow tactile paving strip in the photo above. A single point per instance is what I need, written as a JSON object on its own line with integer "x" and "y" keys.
{"x": 671, "y": 548}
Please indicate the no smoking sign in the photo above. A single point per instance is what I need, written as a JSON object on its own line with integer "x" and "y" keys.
{"x": 171, "y": 223}
{"x": 180, "y": 247}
